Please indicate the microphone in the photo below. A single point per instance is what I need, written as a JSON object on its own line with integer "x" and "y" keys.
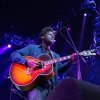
{"x": 59, "y": 30}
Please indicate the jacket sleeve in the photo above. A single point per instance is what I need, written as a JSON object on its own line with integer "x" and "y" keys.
{"x": 64, "y": 67}
{"x": 17, "y": 56}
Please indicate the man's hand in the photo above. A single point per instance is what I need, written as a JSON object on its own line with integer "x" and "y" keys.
{"x": 74, "y": 58}
{"x": 34, "y": 64}
{"x": 31, "y": 65}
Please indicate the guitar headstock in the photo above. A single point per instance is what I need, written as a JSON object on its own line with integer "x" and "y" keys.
{"x": 88, "y": 53}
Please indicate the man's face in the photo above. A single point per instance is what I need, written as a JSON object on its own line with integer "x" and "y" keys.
{"x": 49, "y": 38}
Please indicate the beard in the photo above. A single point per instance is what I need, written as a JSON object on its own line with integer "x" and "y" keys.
{"x": 49, "y": 42}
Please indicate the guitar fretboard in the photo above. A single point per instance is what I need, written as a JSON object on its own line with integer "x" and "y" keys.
{"x": 57, "y": 60}
{"x": 84, "y": 53}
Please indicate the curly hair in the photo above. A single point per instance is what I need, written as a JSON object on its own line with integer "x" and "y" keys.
{"x": 45, "y": 30}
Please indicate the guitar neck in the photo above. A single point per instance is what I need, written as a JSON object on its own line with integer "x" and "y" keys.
{"x": 57, "y": 60}
{"x": 84, "y": 53}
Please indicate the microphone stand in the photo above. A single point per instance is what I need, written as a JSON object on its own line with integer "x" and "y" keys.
{"x": 79, "y": 77}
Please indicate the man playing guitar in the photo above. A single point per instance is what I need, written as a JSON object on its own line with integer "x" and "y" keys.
{"x": 33, "y": 68}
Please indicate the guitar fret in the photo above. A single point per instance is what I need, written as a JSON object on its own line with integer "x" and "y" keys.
{"x": 55, "y": 60}
{"x": 64, "y": 58}
{"x": 68, "y": 57}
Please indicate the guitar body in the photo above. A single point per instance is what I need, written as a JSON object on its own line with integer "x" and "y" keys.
{"x": 24, "y": 81}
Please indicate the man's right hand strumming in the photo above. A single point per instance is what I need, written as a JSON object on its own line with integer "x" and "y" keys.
{"x": 32, "y": 65}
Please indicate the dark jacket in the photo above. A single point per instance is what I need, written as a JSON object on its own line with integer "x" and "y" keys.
{"x": 35, "y": 51}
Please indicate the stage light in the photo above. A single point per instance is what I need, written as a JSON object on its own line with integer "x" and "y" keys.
{"x": 68, "y": 28}
{"x": 9, "y": 45}
{"x": 85, "y": 14}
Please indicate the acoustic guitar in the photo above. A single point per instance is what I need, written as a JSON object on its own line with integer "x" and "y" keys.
{"x": 25, "y": 81}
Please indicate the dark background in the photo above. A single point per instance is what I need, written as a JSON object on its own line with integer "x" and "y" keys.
{"x": 27, "y": 18}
